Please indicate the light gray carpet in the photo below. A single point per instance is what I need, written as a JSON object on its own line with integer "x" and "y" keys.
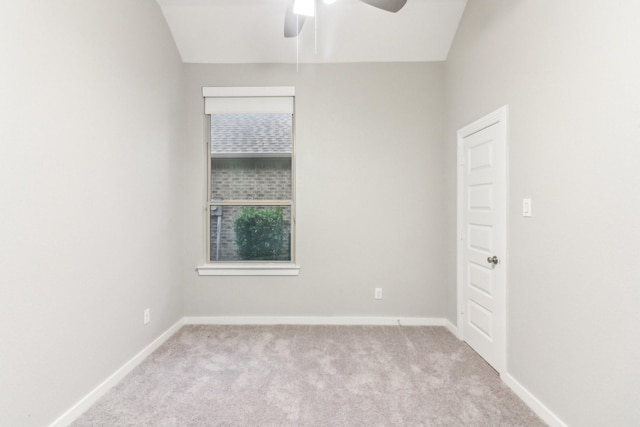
{"x": 311, "y": 376}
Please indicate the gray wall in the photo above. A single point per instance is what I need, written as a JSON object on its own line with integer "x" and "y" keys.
{"x": 90, "y": 219}
{"x": 369, "y": 151}
{"x": 569, "y": 72}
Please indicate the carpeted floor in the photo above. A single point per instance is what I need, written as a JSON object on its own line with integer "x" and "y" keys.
{"x": 311, "y": 376}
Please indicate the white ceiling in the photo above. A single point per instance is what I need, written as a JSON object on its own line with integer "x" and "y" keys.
{"x": 251, "y": 31}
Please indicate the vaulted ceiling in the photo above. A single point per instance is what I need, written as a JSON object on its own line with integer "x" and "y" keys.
{"x": 251, "y": 31}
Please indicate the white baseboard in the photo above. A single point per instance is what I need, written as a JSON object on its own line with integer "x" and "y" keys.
{"x": 76, "y": 410}
{"x": 315, "y": 320}
{"x": 532, "y": 402}
{"x": 451, "y": 327}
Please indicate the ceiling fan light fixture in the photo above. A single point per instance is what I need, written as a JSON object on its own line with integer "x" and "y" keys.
{"x": 304, "y": 7}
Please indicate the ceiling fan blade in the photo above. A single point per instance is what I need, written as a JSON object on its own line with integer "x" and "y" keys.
{"x": 388, "y": 5}
{"x": 293, "y": 23}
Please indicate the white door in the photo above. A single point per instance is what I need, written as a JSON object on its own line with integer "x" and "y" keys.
{"x": 482, "y": 177}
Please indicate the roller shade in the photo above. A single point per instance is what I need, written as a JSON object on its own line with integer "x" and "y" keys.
{"x": 245, "y": 100}
{"x": 261, "y": 105}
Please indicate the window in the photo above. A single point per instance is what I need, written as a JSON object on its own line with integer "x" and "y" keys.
{"x": 250, "y": 180}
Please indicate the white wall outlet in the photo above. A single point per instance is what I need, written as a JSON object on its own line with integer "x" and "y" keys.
{"x": 378, "y": 293}
{"x": 526, "y": 207}
{"x": 147, "y": 316}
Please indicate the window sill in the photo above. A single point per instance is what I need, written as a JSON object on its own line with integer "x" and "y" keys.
{"x": 257, "y": 269}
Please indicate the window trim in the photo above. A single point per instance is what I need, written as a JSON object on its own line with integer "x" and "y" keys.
{"x": 247, "y": 268}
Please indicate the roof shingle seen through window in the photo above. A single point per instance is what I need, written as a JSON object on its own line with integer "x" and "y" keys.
{"x": 251, "y": 133}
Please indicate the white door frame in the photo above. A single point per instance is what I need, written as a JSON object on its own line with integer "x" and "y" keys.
{"x": 498, "y": 116}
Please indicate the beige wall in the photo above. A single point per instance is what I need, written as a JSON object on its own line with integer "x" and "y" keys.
{"x": 369, "y": 193}
{"x": 569, "y": 72}
{"x": 90, "y": 223}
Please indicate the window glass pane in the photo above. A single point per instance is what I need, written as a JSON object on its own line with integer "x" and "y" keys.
{"x": 258, "y": 134}
{"x": 251, "y": 179}
{"x": 251, "y": 156}
{"x": 250, "y": 233}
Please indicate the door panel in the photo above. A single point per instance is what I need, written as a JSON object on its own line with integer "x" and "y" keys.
{"x": 482, "y": 216}
{"x": 480, "y": 238}
{"x": 480, "y": 197}
{"x": 481, "y": 319}
{"x": 480, "y": 278}
{"x": 479, "y": 156}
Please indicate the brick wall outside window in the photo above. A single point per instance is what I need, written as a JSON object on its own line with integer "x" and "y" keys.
{"x": 247, "y": 179}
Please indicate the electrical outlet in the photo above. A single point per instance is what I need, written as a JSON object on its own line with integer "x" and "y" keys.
{"x": 147, "y": 316}
{"x": 378, "y": 293}
{"x": 526, "y": 207}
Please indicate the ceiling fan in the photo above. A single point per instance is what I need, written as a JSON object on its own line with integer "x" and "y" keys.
{"x": 296, "y": 14}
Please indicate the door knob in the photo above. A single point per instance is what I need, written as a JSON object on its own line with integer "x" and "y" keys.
{"x": 492, "y": 260}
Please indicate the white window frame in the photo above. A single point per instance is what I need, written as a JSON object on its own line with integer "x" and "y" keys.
{"x": 258, "y": 98}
